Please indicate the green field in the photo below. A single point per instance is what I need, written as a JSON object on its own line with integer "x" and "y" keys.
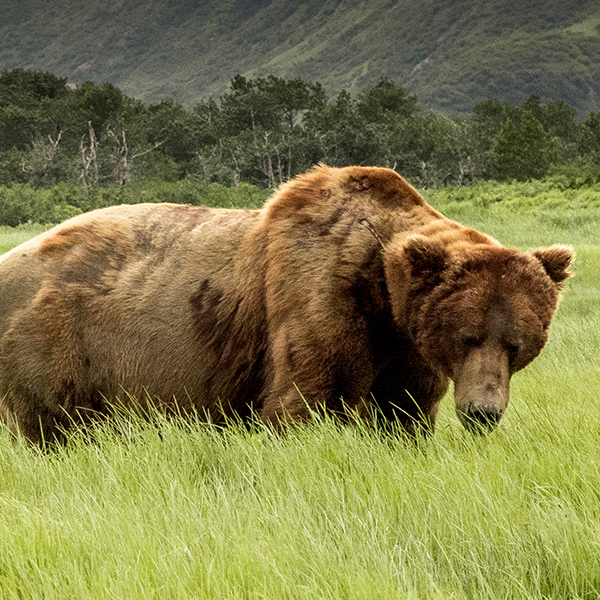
{"x": 183, "y": 510}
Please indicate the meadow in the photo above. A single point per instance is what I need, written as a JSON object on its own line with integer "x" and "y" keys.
{"x": 170, "y": 509}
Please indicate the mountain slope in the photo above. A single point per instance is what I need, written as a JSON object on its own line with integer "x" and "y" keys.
{"x": 451, "y": 54}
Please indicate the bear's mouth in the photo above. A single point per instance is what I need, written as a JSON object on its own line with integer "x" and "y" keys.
{"x": 479, "y": 420}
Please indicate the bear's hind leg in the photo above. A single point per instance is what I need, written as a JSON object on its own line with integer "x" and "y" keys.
{"x": 26, "y": 416}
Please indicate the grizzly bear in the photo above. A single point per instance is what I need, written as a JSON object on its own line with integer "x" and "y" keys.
{"x": 346, "y": 288}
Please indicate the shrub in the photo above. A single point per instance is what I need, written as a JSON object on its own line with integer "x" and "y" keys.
{"x": 22, "y": 203}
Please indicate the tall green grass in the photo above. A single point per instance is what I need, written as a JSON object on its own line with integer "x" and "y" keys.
{"x": 13, "y": 236}
{"x": 525, "y": 214}
{"x": 169, "y": 509}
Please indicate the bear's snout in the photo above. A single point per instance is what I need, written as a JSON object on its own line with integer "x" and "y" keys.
{"x": 481, "y": 419}
{"x": 482, "y": 388}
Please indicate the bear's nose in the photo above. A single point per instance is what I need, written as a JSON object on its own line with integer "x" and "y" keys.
{"x": 480, "y": 419}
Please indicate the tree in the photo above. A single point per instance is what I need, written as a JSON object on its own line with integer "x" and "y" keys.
{"x": 265, "y": 122}
{"x": 102, "y": 104}
{"x": 556, "y": 117}
{"x": 27, "y": 88}
{"x": 175, "y": 130}
{"x": 123, "y": 157}
{"x": 591, "y": 139}
{"x": 19, "y": 125}
{"x": 522, "y": 149}
{"x": 41, "y": 158}
{"x": 343, "y": 135}
{"x": 560, "y": 121}
{"x": 24, "y": 99}
{"x": 290, "y": 99}
{"x": 89, "y": 158}
{"x": 386, "y": 102}
{"x": 245, "y": 107}
{"x": 487, "y": 120}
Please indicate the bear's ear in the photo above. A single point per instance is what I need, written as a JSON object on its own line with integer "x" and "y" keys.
{"x": 556, "y": 261}
{"x": 426, "y": 257}
{"x": 413, "y": 266}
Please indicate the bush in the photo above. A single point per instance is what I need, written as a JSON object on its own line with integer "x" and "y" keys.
{"x": 16, "y": 204}
{"x": 244, "y": 195}
{"x": 573, "y": 176}
{"x": 22, "y": 203}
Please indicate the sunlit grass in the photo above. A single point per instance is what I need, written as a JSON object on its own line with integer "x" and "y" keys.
{"x": 181, "y": 510}
{"x": 13, "y": 236}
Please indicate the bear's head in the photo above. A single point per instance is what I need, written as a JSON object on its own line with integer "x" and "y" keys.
{"x": 478, "y": 314}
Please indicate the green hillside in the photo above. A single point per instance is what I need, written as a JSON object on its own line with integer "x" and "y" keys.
{"x": 451, "y": 54}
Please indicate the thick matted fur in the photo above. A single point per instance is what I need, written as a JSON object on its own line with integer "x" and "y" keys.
{"x": 345, "y": 287}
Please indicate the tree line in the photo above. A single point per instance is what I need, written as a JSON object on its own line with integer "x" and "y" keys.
{"x": 265, "y": 130}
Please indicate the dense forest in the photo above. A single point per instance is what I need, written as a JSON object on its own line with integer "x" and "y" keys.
{"x": 263, "y": 131}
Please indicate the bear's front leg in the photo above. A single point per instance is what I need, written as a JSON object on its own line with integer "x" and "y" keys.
{"x": 409, "y": 391}
{"x": 316, "y": 372}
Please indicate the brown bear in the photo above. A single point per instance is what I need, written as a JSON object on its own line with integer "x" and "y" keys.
{"x": 346, "y": 288}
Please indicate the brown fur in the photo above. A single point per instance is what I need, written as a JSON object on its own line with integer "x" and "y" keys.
{"x": 345, "y": 286}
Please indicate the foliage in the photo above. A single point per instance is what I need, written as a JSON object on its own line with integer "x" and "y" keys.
{"x": 264, "y": 131}
{"x": 22, "y": 203}
{"x": 523, "y": 149}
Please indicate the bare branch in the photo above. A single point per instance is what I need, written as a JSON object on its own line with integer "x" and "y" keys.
{"x": 122, "y": 159}
{"x": 156, "y": 145}
{"x": 42, "y": 155}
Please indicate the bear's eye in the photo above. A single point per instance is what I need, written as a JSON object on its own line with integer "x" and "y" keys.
{"x": 472, "y": 341}
{"x": 512, "y": 348}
